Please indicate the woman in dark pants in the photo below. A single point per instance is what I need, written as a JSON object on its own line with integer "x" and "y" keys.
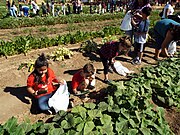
{"x": 165, "y": 31}
{"x": 110, "y": 50}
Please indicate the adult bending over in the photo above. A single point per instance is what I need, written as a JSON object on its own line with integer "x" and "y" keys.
{"x": 165, "y": 31}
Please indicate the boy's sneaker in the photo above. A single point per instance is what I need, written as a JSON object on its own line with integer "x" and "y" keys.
{"x": 71, "y": 104}
{"x": 157, "y": 59}
{"x": 136, "y": 62}
{"x": 107, "y": 81}
{"x": 90, "y": 87}
{"x": 49, "y": 112}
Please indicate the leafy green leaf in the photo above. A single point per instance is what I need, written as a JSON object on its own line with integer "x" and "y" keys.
{"x": 88, "y": 127}
{"x": 106, "y": 129}
{"x": 78, "y": 120}
{"x": 78, "y": 109}
{"x": 83, "y": 115}
{"x": 137, "y": 115}
{"x": 133, "y": 98}
{"x": 125, "y": 113}
{"x": 80, "y": 126}
{"x": 65, "y": 124}
{"x": 145, "y": 131}
{"x": 145, "y": 123}
{"x": 18, "y": 131}
{"x": 10, "y": 125}
{"x": 116, "y": 109}
{"x": 94, "y": 113}
{"x": 110, "y": 101}
{"x": 26, "y": 127}
{"x": 133, "y": 124}
{"x": 90, "y": 105}
{"x": 59, "y": 115}
{"x": 132, "y": 131}
{"x": 70, "y": 119}
{"x": 103, "y": 106}
{"x": 105, "y": 119}
{"x": 71, "y": 132}
{"x": 122, "y": 125}
{"x": 56, "y": 131}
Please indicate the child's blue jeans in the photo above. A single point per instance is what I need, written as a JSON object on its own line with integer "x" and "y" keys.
{"x": 43, "y": 102}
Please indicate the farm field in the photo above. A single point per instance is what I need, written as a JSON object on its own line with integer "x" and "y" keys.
{"x": 15, "y": 101}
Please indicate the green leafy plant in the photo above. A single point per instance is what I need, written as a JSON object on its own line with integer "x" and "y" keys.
{"x": 109, "y": 39}
{"x": 60, "y": 54}
{"x": 88, "y": 46}
{"x": 29, "y": 65}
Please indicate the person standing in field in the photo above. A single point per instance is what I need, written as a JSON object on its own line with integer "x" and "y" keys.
{"x": 140, "y": 34}
{"x": 168, "y": 10}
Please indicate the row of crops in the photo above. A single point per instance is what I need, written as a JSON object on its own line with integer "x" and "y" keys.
{"x": 127, "y": 108}
{"x": 27, "y": 43}
{"x": 49, "y": 20}
{"x": 8, "y": 23}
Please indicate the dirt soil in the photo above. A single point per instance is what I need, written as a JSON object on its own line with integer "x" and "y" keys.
{"x": 15, "y": 101}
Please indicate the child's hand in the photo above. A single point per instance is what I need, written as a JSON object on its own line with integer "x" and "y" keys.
{"x": 35, "y": 93}
{"x": 76, "y": 92}
{"x": 113, "y": 60}
{"x": 62, "y": 81}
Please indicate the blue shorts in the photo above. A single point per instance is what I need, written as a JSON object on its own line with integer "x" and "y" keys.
{"x": 159, "y": 40}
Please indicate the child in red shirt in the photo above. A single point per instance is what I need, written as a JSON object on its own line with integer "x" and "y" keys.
{"x": 84, "y": 79}
{"x": 40, "y": 82}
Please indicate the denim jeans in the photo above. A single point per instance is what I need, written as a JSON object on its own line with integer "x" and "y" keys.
{"x": 13, "y": 13}
{"x": 43, "y": 102}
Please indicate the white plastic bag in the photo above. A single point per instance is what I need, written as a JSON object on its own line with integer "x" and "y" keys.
{"x": 126, "y": 22}
{"x": 172, "y": 48}
{"x": 60, "y": 99}
{"x": 120, "y": 69}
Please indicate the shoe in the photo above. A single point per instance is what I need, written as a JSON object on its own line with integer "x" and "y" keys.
{"x": 107, "y": 81}
{"x": 49, "y": 112}
{"x": 90, "y": 87}
{"x": 136, "y": 62}
{"x": 71, "y": 104}
{"x": 155, "y": 58}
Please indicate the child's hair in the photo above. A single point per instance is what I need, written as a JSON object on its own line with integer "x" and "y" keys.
{"x": 146, "y": 11}
{"x": 89, "y": 68}
{"x": 41, "y": 61}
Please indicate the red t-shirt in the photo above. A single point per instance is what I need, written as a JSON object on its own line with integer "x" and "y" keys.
{"x": 48, "y": 83}
{"x": 77, "y": 79}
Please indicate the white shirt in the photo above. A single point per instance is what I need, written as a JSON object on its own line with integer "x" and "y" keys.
{"x": 170, "y": 12}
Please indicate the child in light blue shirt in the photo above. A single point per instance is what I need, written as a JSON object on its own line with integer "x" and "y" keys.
{"x": 140, "y": 34}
